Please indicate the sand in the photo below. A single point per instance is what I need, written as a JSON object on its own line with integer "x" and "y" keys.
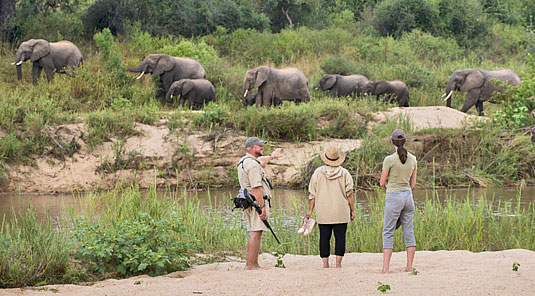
{"x": 439, "y": 273}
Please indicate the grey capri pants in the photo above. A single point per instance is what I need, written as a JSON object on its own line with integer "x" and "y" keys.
{"x": 399, "y": 209}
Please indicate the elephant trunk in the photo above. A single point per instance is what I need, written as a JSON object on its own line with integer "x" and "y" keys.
{"x": 19, "y": 72}
{"x": 140, "y": 68}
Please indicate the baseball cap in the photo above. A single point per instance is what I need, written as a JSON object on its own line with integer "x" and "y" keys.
{"x": 251, "y": 141}
{"x": 398, "y": 135}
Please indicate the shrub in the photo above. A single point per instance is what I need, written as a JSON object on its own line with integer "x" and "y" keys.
{"x": 429, "y": 48}
{"x": 518, "y": 102}
{"x": 103, "y": 124}
{"x": 339, "y": 64}
{"x": 393, "y": 17}
{"x": 199, "y": 51}
{"x": 287, "y": 122}
{"x": 131, "y": 247}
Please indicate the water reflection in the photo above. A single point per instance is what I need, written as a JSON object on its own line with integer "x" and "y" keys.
{"x": 290, "y": 201}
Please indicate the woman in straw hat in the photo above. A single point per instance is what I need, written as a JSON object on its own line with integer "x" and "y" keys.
{"x": 331, "y": 193}
{"x": 400, "y": 171}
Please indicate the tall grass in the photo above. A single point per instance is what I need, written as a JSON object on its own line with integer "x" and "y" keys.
{"x": 34, "y": 253}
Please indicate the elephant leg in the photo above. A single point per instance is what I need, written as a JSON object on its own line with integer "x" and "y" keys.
{"x": 49, "y": 74}
{"x": 258, "y": 99}
{"x": 181, "y": 101}
{"x": 471, "y": 100}
{"x": 36, "y": 72}
{"x": 479, "y": 107}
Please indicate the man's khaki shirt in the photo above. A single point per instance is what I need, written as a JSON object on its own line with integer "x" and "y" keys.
{"x": 251, "y": 174}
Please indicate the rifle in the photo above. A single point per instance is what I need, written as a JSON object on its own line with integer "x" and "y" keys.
{"x": 259, "y": 211}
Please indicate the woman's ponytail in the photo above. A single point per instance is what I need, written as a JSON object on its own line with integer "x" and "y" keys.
{"x": 398, "y": 139}
{"x": 402, "y": 152}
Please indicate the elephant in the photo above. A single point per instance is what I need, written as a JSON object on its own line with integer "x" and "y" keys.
{"x": 250, "y": 100}
{"x": 342, "y": 86}
{"x": 170, "y": 69}
{"x": 478, "y": 85}
{"x": 51, "y": 56}
{"x": 197, "y": 91}
{"x": 288, "y": 84}
{"x": 395, "y": 88}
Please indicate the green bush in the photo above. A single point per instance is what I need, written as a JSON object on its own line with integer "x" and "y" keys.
{"x": 214, "y": 115}
{"x": 339, "y": 64}
{"x": 199, "y": 51}
{"x": 287, "y": 122}
{"x": 143, "y": 245}
{"x": 393, "y": 17}
{"x": 518, "y": 102}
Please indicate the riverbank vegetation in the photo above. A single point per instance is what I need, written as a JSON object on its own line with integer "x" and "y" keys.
{"x": 123, "y": 234}
{"x": 421, "y": 45}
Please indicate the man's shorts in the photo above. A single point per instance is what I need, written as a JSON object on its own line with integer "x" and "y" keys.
{"x": 254, "y": 222}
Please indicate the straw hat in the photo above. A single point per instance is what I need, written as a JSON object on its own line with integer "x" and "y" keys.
{"x": 332, "y": 156}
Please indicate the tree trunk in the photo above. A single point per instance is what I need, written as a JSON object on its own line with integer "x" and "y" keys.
{"x": 7, "y": 15}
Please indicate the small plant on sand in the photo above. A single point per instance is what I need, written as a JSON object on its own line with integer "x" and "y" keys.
{"x": 280, "y": 263}
{"x": 414, "y": 271}
{"x": 383, "y": 287}
{"x": 515, "y": 266}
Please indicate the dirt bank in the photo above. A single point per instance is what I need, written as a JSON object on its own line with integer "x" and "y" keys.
{"x": 439, "y": 273}
{"x": 170, "y": 158}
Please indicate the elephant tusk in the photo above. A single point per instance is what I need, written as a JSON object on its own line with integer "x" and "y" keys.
{"x": 17, "y": 64}
{"x": 245, "y": 93}
{"x": 172, "y": 96}
{"x": 449, "y": 95}
{"x": 443, "y": 95}
{"x": 140, "y": 75}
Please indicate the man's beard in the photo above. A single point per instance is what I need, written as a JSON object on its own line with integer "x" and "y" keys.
{"x": 258, "y": 153}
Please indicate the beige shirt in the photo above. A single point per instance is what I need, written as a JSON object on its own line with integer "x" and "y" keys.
{"x": 399, "y": 174}
{"x": 330, "y": 187}
{"x": 251, "y": 174}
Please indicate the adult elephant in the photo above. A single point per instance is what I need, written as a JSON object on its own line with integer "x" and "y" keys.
{"x": 341, "y": 86}
{"x": 197, "y": 91}
{"x": 389, "y": 89}
{"x": 478, "y": 85}
{"x": 284, "y": 84}
{"x": 50, "y": 56}
{"x": 170, "y": 69}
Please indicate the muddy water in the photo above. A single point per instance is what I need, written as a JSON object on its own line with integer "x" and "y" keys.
{"x": 285, "y": 199}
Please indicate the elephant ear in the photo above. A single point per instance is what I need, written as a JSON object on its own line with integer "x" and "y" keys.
{"x": 41, "y": 48}
{"x": 164, "y": 64}
{"x": 473, "y": 79}
{"x": 261, "y": 76}
{"x": 329, "y": 81}
{"x": 187, "y": 87}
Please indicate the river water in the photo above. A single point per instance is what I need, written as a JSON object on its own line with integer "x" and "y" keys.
{"x": 286, "y": 199}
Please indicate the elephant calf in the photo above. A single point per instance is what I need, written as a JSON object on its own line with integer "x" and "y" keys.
{"x": 250, "y": 100}
{"x": 50, "y": 56}
{"x": 389, "y": 89}
{"x": 341, "y": 86}
{"x": 478, "y": 85}
{"x": 197, "y": 91}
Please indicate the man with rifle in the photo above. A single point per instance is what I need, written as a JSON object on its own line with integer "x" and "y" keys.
{"x": 252, "y": 177}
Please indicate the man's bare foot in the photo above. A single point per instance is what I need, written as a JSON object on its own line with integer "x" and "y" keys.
{"x": 325, "y": 266}
{"x": 408, "y": 269}
{"x": 339, "y": 266}
{"x": 385, "y": 271}
{"x": 252, "y": 267}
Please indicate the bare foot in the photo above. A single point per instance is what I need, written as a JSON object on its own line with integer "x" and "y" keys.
{"x": 385, "y": 271}
{"x": 252, "y": 267}
{"x": 408, "y": 269}
{"x": 325, "y": 266}
{"x": 339, "y": 266}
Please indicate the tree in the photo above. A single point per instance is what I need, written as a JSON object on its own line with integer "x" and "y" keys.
{"x": 7, "y": 24}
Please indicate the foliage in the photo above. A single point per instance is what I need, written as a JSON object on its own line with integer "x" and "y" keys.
{"x": 465, "y": 21}
{"x": 130, "y": 247}
{"x": 393, "y": 17}
{"x": 518, "y": 102}
{"x": 383, "y": 287}
{"x": 339, "y": 64}
{"x": 214, "y": 114}
{"x": 515, "y": 266}
{"x": 199, "y": 51}
{"x": 111, "y": 58}
{"x": 103, "y": 124}
{"x": 35, "y": 252}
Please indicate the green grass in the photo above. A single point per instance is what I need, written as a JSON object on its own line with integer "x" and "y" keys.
{"x": 35, "y": 253}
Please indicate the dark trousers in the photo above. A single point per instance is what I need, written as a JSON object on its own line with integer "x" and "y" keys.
{"x": 339, "y": 239}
